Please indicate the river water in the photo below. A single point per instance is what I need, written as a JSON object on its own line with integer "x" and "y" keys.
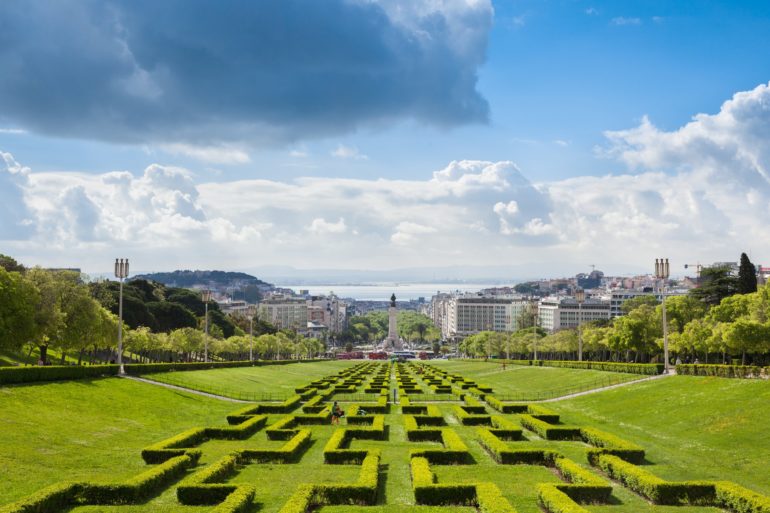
{"x": 382, "y": 291}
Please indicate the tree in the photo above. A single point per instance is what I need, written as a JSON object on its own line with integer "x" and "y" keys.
{"x": 716, "y": 283}
{"x": 637, "y": 301}
{"x": 11, "y": 265}
{"x": 747, "y": 276}
{"x": 18, "y": 297}
{"x": 747, "y": 336}
{"x": 171, "y": 316}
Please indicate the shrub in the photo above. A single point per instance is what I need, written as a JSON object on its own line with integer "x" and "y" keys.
{"x": 288, "y": 452}
{"x": 555, "y": 501}
{"x": 467, "y": 419}
{"x": 655, "y": 488}
{"x": 491, "y": 500}
{"x": 138, "y": 487}
{"x": 549, "y": 431}
{"x": 301, "y": 500}
{"x": 723, "y": 371}
{"x": 56, "y": 497}
{"x": 504, "y": 428}
{"x": 240, "y": 431}
{"x": 33, "y": 373}
{"x": 607, "y": 443}
{"x": 586, "y": 486}
{"x": 543, "y": 413}
{"x": 454, "y": 451}
{"x": 739, "y": 499}
{"x": 173, "y": 447}
{"x": 237, "y": 502}
{"x": 649, "y": 369}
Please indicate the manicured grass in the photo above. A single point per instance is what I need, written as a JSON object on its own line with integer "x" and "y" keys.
{"x": 89, "y": 429}
{"x": 530, "y": 383}
{"x": 691, "y": 427}
{"x": 280, "y": 380}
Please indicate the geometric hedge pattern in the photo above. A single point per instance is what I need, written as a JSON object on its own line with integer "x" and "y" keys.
{"x": 449, "y": 440}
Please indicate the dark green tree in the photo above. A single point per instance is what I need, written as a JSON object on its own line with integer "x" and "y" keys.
{"x": 635, "y": 302}
{"x": 716, "y": 283}
{"x": 171, "y": 316}
{"x": 747, "y": 276}
{"x": 10, "y": 264}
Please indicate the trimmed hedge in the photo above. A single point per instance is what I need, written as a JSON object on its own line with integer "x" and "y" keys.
{"x": 739, "y": 499}
{"x": 289, "y": 452}
{"x": 552, "y": 499}
{"x": 550, "y": 431}
{"x": 454, "y": 451}
{"x": 607, "y": 443}
{"x": 502, "y": 407}
{"x": 238, "y": 432}
{"x": 647, "y": 369}
{"x": 33, "y": 373}
{"x": 585, "y": 485}
{"x": 724, "y": 371}
{"x": 470, "y": 419}
{"x": 502, "y": 453}
{"x": 505, "y": 429}
{"x": 655, "y": 488}
{"x": 174, "y": 446}
{"x": 52, "y": 498}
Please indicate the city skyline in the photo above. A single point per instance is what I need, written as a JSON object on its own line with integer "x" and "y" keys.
{"x": 545, "y": 136}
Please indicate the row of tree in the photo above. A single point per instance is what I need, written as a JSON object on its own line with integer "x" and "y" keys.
{"x": 373, "y": 328}
{"x": 46, "y": 309}
{"x": 726, "y": 317}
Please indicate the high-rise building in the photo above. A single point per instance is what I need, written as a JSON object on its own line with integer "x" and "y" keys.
{"x": 558, "y": 313}
{"x": 284, "y": 312}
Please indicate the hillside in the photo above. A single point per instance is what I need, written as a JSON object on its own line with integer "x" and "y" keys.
{"x": 187, "y": 278}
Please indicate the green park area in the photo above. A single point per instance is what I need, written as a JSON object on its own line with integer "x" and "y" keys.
{"x": 679, "y": 444}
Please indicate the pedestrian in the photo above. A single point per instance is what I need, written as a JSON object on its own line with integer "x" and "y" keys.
{"x": 503, "y": 365}
{"x": 678, "y": 361}
{"x": 336, "y": 413}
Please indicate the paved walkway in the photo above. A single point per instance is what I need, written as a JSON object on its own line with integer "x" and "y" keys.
{"x": 183, "y": 389}
{"x": 672, "y": 372}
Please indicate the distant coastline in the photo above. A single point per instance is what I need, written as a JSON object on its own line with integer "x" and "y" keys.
{"x": 382, "y": 291}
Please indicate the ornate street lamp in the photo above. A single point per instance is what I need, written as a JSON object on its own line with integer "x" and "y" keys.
{"x": 121, "y": 273}
{"x": 662, "y": 273}
{"x": 580, "y": 295}
{"x": 206, "y": 297}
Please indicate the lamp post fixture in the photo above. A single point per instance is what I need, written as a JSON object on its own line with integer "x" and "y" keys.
{"x": 251, "y": 333}
{"x": 534, "y": 330}
{"x": 121, "y": 273}
{"x": 662, "y": 273}
{"x": 580, "y": 295}
{"x": 206, "y": 297}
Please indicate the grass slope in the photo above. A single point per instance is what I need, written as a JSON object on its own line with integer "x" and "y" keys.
{"x": 532, "y": 382}
{"x": 89, "y": 429}
{"x": 691, "y": 427}
{"x": 268, "y": 379}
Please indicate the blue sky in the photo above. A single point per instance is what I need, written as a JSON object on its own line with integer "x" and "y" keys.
{"x": 362, "y": 134}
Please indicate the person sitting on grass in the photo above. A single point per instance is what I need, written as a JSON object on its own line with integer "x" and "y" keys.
{"x": 336, "y": 413}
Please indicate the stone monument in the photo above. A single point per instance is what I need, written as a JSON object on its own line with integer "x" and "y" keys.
{"x": 393, "y": 341}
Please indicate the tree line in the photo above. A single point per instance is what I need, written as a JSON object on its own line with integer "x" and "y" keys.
{"x": 43, "y": 310}
{"x": 726, "y": 319}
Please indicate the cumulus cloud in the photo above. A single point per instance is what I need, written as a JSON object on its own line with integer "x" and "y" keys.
{"x": 200, "y": 73}
{"x": 348, "y": 152}
{"x": 698, "y": 193}
{"x": 622, "y": 21}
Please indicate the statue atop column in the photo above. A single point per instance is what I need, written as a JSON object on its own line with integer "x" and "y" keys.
{"x": 393, "y": 341}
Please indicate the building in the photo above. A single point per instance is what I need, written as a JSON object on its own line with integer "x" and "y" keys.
{"x": 469, "y": 314}
{"x": 329, "y": 311}
{"x": 558, "y": 313}
{"x": 284, "y": 312}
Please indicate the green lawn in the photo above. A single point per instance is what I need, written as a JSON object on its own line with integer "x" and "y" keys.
{"x": 89, "y": 429}
{"x": 519, "y": 382}
{"x": 691, "y": 427}
{"x": 279, "y": 380}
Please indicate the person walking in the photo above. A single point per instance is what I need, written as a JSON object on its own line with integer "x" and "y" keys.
{"x": 336, "y": 413}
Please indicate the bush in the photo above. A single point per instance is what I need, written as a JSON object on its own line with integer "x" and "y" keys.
{"x": 550, "y": 431}
{"x": 237, "y": 502}
{"x": 490, "y": 500}
{"x": 586, "y": 486}
{"x": 454, "y": 451}
{"x": 240, "y": 431}
{"x": 723, "y": 371}
{"x": 555, "y": 501}
{"x": 33, "y": 373}
{"x": 56, "y": 497}
{"x": 655, "y": 488}
{"x": 739, "y": 499}
{"x": 607, "y": 443}
{"x": 505, "y": 429}
{"x": 174, "y": 446}
{"x": 289, "y": 452}
{"x": 468, "y": 419}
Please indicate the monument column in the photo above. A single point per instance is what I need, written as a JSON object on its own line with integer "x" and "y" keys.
{"x": 393, "y": 339}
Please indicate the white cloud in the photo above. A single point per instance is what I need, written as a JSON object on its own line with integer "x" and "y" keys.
{"x": 209, "y": 154}
{"x": 591, "y": 11}
{"x": 561, "y": 142}
{"x": 622, "y": 21}
{"x": 347, "y": 152}
{"x": 321, "y": 226}
{"x": 13, "y": 131}
{"x": 698, "y": 193}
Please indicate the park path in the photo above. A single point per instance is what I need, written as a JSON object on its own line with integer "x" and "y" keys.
{"x": 672, "y": 372}
{"x": 183, "y": 389}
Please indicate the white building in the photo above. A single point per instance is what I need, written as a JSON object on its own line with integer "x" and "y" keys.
{"x": 558, "y": 313}
{"x": 284, "y": 312}
{"x": 329, "y": 311}
{"x": 469, "y": 314}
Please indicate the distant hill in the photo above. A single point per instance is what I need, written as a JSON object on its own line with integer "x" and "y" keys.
{"x": 188, "y": 279}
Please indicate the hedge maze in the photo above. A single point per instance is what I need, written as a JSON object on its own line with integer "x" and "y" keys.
{"x": 446, "y": 444}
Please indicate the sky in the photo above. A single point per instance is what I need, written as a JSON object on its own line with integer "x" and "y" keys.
{"x": 544, "y": 135}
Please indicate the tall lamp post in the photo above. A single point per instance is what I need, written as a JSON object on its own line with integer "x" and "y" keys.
{"x": 251, "y": 333}
{"x": 662, "y": 273}
{"x": 580, "y": 295}
{"x": 534, "y": 329}
{"x": 121, "y": 273}
{"x": 206, "y": 297}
